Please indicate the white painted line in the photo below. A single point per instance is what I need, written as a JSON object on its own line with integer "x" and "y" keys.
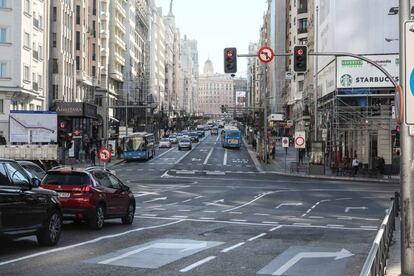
{"x": 208, "y": 156}
{"x": 232, "y": 247}
{"x": 149, "y": 215}
{"x": 158, "y": 209}
{"x": 207, "y": 218}
{"x": 270, "y": 222}
{"x": 185, "y": 172}
{"x": 239, "y": 220}
{"x": 187, "y": 200}
{"x": 182, "y": 157}
{"x": 369, "y": 227}
{"x": 335, "y": 225}
{"x": 184, "y": 210}
{"x": 260, "y": 214}
{"x": 215, "y": 173}
{"x": 301, "y": 223}
{"x": 275, "y": 228}
{"x": 198, "y": 197}
{"x": 316, "y": 217}
{"x": 248, "y": 203}
{"x": 208, "y": 211}
{"x": 256, "y": 237}
{"x": 225, "y": 158}
{"x": 236, "y": 213}
{"x": 87, "y": 242}
{"x": 194, "y": 265}
{"x": 164, "y": 153}
{"x": 344, "y": 218}
{"x": 179, "y": 216}
{"x": 345, "y": 198}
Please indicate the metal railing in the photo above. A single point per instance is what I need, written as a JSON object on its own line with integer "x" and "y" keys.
{"x": 376, "y": 262}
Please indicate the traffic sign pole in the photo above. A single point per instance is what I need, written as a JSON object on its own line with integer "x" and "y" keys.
{"x": 406, "y": 173}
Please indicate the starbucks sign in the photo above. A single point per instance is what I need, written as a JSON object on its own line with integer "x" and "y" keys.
{"x": 355, "y": 73}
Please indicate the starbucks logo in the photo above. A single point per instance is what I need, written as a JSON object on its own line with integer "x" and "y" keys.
{"x": 346, "y": 80}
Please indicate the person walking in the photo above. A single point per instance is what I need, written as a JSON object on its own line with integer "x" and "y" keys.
{"x": 93, "y": 156}
{"x": 273, "y": 151}
{"x": 355, "y": 165}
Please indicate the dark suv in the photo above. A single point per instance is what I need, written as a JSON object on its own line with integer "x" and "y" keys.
{"x": 26, "y": 209}
{"x": 91, "y": 195}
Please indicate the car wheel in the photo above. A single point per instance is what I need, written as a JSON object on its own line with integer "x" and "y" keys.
{"x": 50, "y": 233}
{"x": 98, "y": 219}
{"x": 129, "y": 217}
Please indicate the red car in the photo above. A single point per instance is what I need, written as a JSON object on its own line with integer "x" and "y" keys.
{"x": 91, "y": 195}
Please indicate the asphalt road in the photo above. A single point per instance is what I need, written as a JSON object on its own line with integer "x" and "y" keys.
{"x": 209, "y": 211}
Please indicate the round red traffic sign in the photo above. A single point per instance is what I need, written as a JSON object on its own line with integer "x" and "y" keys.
{"x": 77, "y": 132}
{"x": 299, "y": 141}
{"x": 104, "y": 154}
{"x": 266, "y": 54}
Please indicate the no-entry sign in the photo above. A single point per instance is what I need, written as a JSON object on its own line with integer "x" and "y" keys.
{"x": 104, "y": 154}
{"x": 300, "y": 140}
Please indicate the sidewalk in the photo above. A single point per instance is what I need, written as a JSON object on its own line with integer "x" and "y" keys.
{"x": 394, "y": 260}
{"x": 278, "y": 166}
{"x": 85, "y": 164}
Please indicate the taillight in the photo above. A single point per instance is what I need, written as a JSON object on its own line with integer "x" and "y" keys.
{"x": 86, "y": 189}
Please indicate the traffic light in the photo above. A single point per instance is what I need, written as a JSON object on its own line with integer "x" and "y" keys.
{"x": 230, "y": 60}
{"x": 300, "y": 59}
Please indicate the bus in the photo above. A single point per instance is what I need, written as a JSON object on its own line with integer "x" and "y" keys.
{"x": 231, "y": 137}
{"x": 139, "y": 145}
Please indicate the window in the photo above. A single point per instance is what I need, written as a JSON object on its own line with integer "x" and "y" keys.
{"x": 77, "y": 40}
{"x": 94, "y": 7}
{"x": 302, "y": 25}
{"x": 38, "y": 108}
{"x": 3, "y": 4}
{"x": 77, "y": 14}
{"x": 55, "y": 89}
{"x": 27, "y": 6}
{"x": 1, "y": 108}
{"x": 26, "y": 40}
{"x": 55, "y": 66}
{"x": 77, "y": 63}
{"x": 4, "y": 178}
{"x": 93, "y": 71}
{"x": 54, "y": 40}
{"x": 39, "y": 81}
{"x": 40, "y": 51}
{"x": 26, "y": 73}
{"x": 40, "y": 22}
{"x": 31, "y": 106}
{"x": 54, "y": 14}
{"x": 3, "y": 35}
{"x": 17, "y": 175}
{"x": 103, "y": 179}
{"x": 3, "y": 70}
{"x": 93, "y": 51}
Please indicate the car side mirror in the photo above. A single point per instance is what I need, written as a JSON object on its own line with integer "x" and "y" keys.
{"x": 35, "y": 182}
{"x": 125, "y": 188}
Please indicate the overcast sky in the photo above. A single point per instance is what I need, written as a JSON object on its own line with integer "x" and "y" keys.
{"x": 217, "y": 24}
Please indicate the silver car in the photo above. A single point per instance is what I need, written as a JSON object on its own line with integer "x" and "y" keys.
{"x": 185, "y": 143}
{"x": 165, "y": 143}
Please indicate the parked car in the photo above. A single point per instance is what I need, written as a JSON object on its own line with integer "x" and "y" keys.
{"x": 165, "y": 143}
{"x": 173, "y": 139}
{"x": 25, "y": 209}
{"x": 32, "y": 169}
{"x": 185, "y": 143}
{"x": 201, "y": 133}
{"x": 91, "y": 195}
{"x": 194, "y": 137}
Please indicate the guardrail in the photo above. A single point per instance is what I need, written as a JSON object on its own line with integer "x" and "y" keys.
{"x": 376, "y": 262}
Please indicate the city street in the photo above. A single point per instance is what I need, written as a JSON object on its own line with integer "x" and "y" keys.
{"x": 209, "y": 211}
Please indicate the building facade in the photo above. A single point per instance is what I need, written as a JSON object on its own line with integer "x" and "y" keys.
{"x": 24, "y": 55}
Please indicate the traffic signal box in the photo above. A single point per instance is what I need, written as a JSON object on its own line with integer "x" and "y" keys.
{"x": 300, "y": 59}
{"x": 230, "y": 60}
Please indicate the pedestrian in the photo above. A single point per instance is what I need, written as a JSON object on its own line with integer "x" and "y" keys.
{"x": 381, "y": 165}
{"x": 355, "y": 165}
{"x": 273, "y": 151}
{"x": 301, "y": 153}
{"x": 119, "y": 151}
{"x": 93, "y": 156}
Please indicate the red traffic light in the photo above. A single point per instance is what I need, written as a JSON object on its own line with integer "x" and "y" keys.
{"x": 62, "y": 125}
{"x": 300, "y": 52}
{"x": 229, "y": 53}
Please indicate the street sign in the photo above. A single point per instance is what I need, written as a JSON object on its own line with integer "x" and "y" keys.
{"x": 266, "y": 54}
{"x": 300, "y": 140}
{"x": 104, "y": 154}
{"x": 285, "y": 142}
{"x": 409, "y": 72}
{"x": 77, "y": 132}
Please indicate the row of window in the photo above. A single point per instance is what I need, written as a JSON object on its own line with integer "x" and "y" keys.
{"x": 16, "y": 106}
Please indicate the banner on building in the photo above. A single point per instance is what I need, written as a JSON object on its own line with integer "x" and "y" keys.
{"x": 240, "y": 98}
{"x": 355, "y": 73}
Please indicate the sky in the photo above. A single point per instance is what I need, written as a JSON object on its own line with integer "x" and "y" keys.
{"x": 217, "y": 24}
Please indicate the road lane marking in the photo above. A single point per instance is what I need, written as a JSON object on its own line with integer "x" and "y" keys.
{"x": 335, "y": 225}
{"x": 158, "y": 209}
{"x": 368, "y": 227}
{"x": 270, "y": 222}
{"x": 256, "y": 237}
{"x": 198, "y": 197}
{"x": 232, "y": 247}
{"x": 207, "y": 218}
{"x": 208, "y": 156}
{"x": 209, "y": 211}
{"x": 225, "y": 158}
{"x": 345, "y": 198}
{"x": 87, "y": 242}
{"x": 314, "y": 206}
{"x": 316, "y": 217}
{"x": 179, "y": 216}
{"x": 187, "y": 200}
{"x": 194, "y": 265}
{"x": 302, "y": 223}
{"x": 248, "y": 203}
{"x": 289, "y": 204}
{"x": 238, "y": 220}
{"x": 161, "y": 155}
{"x": 275, "y": 228}
{"x": 215, "y": 173}
{"x": 260, "y": 214}
{"x": 155, "y": 199}
{"x": 182, "y": 157}
{"x": 149, "y": 215}
{"x": 236, "y": 213}
{"x": 184, "y": 210}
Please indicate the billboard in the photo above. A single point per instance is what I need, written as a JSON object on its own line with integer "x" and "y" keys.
{"x": 33, "y": 127}
{"x": 240, "y": 98}
{"x": 355, "y": 73}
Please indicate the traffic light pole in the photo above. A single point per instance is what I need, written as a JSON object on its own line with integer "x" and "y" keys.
{"x": 406, "y": 171}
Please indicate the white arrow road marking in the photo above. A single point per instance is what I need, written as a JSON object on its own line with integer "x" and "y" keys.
{"x": 347, "y": 209}
{"x": 218, "y": 203}
{"x": 208, "y": 156}
{"x": 156, "y": 199}
{"x": 338, "y": 255}
{"x": 289, "y": 204}
{"x": 161, "y": 245}
{"x": 225, "y": 158}
{"x": 250, "y": 202}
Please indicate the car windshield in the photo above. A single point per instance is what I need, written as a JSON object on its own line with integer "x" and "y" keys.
{"x": 185, "y": 140}
{"x": 63, "y": 178}
{"x": 165, "y": 140}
